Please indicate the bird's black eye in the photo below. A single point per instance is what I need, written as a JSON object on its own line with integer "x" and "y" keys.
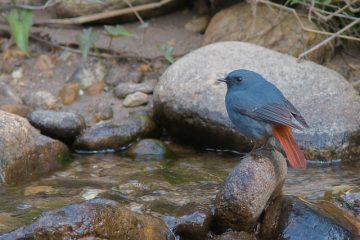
{"x": 239, "y": 79}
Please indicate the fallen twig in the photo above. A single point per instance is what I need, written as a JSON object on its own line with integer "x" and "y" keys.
{"x": 49, "y": 3}
{"x": 102, "y": 15}
{"x": 135, "y": 12}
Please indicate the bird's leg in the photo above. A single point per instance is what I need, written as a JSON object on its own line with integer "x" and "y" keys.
{"x": 264, "y": 144}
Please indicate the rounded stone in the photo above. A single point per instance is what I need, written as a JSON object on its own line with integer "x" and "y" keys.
{"x": 41, "y": 99}
{"x": 193, "y": 224}
{"x": 289, "y": 217}
{"x": 25, "y": 153}
{"x": 18, "y": 109}
{"x": 64, "y": 126}
{"x": 124, "y": 89}
{"x": 93, "y": 219}
{"x": 276, "y": 29}
{"x": 149, "y": 147}
{"x": 189, "y": 101}
{"x": 248, "y": 188}
{"x": 69, "y": 93}
{"x": 136, "y": 99}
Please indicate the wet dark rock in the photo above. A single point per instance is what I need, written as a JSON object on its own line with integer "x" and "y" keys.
{"x": 189, "y": 101}
{"x": 18, "y": 109}
{"x": 136, "y": 99}
{"x": 107, "y": 136}
{"x": 352, "y": 201}
{"x": 41, "y": 99}
{"x": 65, "y": 126}
{"x": 126, "y": 88}
{"x": 94, "y": 219}
{"x": 89, "y": 74}
{"x": 149, "y": 148}
{"x": 195, "y": 225}
{"x": 7, "y": 96}
{"x": 232, "y": 235}
{"x": 290, "y": 218}
{"x": 247, "y": 190}
{"x": 25, "y": 153}
{"x": 286, "y": 35}
{"x": 115, "y": 136}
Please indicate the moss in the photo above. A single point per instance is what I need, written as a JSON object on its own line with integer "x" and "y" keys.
{"x": 64, "y": 159}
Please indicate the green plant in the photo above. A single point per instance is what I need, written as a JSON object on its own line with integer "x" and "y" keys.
{"x": 116, "y": 32}
{"x": 168, "y": 52}
{"x": 20, "y": 22}
{"x": 86, "y": 41}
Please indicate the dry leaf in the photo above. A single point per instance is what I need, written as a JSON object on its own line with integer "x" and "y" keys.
{"x": 143, "y": 68}
{"x": 45, "y": 64}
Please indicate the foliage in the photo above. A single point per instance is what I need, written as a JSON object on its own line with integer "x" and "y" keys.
{"x": 86, "y": 41}
{"x": 20, "y": 22}
{"x": 116, "y": 32}
{"x": 167, "y": 50}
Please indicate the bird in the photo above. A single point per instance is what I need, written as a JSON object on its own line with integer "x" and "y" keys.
{"x": 260, "y": 111}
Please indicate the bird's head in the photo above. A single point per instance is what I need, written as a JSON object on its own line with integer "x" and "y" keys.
{"x": 240, "y": 78}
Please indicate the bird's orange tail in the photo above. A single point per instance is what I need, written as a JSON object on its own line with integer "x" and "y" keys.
{"x": 295, "y": 156}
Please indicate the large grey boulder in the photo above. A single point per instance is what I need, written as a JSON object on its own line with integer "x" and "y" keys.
{"x": 25, "y": 153}
{"x": 190, "y": 102}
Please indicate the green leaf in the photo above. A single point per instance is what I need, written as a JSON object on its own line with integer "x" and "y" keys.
{"x": 117, "y": 31}
{"x": 86, "y": 40}
{"x": 167, "y": 51}
{"x": 20, "y": 22}
{"x": 292, "y": 2}
{"x": 326, "y": 2}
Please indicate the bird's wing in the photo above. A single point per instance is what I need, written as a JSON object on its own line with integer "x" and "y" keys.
{"x": 274, "y": 113}
{"x": 296, "y": 113}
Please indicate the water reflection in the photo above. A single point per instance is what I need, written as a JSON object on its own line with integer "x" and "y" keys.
{"x": 150, "y": 185}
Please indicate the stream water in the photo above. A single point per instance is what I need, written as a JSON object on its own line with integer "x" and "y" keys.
{"x": 159, "y": 186}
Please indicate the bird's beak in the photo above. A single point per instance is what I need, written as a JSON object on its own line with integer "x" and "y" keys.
{"x": 222, "y": 80}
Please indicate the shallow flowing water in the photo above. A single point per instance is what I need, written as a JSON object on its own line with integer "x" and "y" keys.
{"x": 159, "y": 186}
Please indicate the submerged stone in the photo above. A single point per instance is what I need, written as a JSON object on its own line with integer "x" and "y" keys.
{"x": 232, "y": 235}
{"x": 149, "y": 148}
{"x": 97, "y": 218}
{"x": 194, "y": 224}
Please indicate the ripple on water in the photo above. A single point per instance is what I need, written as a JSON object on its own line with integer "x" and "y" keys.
{"x": 161, "y": 187}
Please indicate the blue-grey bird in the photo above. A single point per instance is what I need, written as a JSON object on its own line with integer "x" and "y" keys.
{"x": 259, "y": 111}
